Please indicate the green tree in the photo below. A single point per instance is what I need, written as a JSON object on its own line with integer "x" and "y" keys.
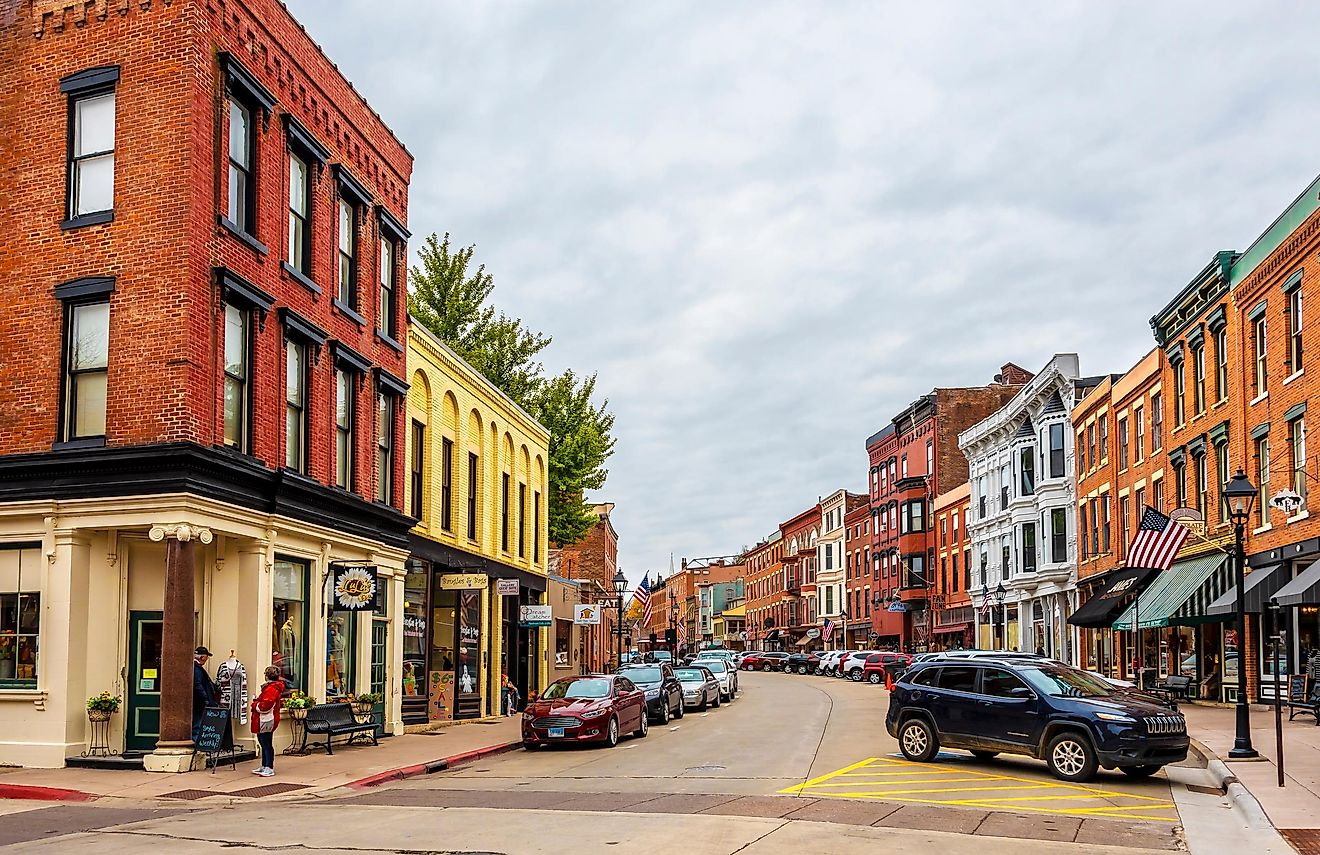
{"x": 452, "y": 302}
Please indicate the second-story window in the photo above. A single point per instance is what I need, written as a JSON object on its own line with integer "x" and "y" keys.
{"x": 473, "y": 473}
{"x": 300, "y": 216}
{"x": 1221, "y": 365}
{"x": 1104, "y": 438}
{"x": 1122, "y": 444}
{"x": 1028, "y": 548}
{"x": 447, "y": 484}
{"x": 91, "y": 167}
{"x": 1295, "y": 330}
{"x": 87, "y": 361}
{"x": 1156, "y": 422}
{"x": 1261, "y": 366}
{"x": 1138, "y": 433}
{"x": 504, "y": 511}
{"x": 345, "y": 288}
{"x": 1198, "y": 379}
{"x": 1026, "y": 471}
{"x": 1104, "y": 523}
{"x": 1297, "y": 453}
{"x": 1263, "y": 479}
{"x": 522, "y": 520}
{"x": 238, "y": 358}
{"x": 388, "y": 307}
{"x": 295, "y": 405}
{"x": 417, "y": 472}
{"x": 345, "y": 399}
{"x": 1058, "y": 535}
{"x": 536, "y": 527}
{"x": 1056, "y": 451}
{"x": 1179, "y": 394}
{"x": 1202, "y": 485}
{"x": 384, "y": 448}
{"x": 1222, "y": 474}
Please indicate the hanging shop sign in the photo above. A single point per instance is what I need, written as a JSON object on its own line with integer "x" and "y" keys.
{"x": 355, "y": 588}
{"x": 534, "y": 616}
{"x": 897, "y": 606}
{"x": 813, "y": 633}
{"x": 462, "y": 581}
{"x": 506, "y": 587}
{"x": 587, "y": 615}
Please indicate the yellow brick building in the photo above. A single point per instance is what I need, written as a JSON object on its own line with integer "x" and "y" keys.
{"x": 477, "y": 484}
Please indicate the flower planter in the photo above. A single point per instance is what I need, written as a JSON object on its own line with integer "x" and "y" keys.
{"x": 298, "y": 714}
{"x": 360, "y": 708}
{"x": 99, "y": 715}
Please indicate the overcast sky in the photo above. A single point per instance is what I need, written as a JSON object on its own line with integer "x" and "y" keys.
{"x": 771, "y": 226}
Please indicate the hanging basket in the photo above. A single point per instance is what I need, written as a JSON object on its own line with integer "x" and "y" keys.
{"x": 99, "y": 715}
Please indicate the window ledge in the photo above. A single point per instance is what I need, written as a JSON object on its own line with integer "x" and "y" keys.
{"x": 1217, "y": 404}
{"x": 94, "y": 219}
{"x": 1293, "y": 376}
{"x": 1299, "y": 517}
{"x": 1262, "y": 529}
{"x": 348, "y": 312}
{"x": 71, "y": 444}
{"x": 250, "y": 241}
{"x": 389, "y": 340}
{"x": 1256, "y": 400}
{"x": 32, "y": 696}
{"x": 300, "y": 277}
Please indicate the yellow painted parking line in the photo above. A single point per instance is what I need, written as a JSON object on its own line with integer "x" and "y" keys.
{"x": 918, "y": 781}
{"x": 952, "y": 790}
{"x": 830, "y": 775}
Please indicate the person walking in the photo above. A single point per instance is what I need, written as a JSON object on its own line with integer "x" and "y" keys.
{"x": 204, "y": 691}
{"x": 265, "y": 718}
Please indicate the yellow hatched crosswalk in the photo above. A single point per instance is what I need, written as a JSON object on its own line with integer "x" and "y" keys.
{"x": 955, "y": 781}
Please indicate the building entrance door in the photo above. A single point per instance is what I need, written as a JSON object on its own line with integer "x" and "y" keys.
{"x": 142, "y": 719}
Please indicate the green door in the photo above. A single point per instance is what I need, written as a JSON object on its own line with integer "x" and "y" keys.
{"x": 380, "y": 645}
{"x": 142, "y": 721}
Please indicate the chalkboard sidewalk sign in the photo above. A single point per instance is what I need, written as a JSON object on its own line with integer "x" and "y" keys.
{"x": 215, "y": 738}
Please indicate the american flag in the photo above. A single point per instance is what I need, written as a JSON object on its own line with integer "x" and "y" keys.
{"x": 827, "y": 631}
{"x": 1157, "y": 541}
{"x": 643, "y": 596}
{"x": 682, "y": 633}
{"x": 985, "y": 605}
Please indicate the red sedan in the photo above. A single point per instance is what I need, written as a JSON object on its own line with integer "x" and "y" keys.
{"x": 595, "y": 708}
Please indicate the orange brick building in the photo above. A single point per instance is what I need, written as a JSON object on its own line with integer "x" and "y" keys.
{"x": 954, "y": 617}
{"x": 764, "y": 584}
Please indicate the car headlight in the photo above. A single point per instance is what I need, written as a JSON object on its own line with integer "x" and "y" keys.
{"x": 593, "y": 714}
{"x": 652, "y": 694}
{"x": 1108, "y": 716}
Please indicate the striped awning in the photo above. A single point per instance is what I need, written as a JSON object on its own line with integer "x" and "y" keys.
{"x": 1180, "y": 595}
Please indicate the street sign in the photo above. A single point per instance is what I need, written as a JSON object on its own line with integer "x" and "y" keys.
{"x": 506, "y": 587}
{"x": 534, "y": 615}
{"x": 587, "y": 615}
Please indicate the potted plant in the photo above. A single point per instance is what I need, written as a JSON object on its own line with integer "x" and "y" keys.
{"x": 101, "y": 707}
{"x": 363, "y": 702}
{"x": 297, "y": 704}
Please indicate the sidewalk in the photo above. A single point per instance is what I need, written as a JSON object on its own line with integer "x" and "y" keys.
{"x": 1297, "y": 804}
{"x": 350, "y": 766}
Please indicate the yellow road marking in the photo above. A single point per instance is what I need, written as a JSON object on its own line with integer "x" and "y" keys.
{"x": 830, "y": 775}
{"x": 950, "y": 790}
{"x": 914, "y": 781}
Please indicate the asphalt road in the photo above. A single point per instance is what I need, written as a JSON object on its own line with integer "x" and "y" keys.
{"x": 794, "y": 762}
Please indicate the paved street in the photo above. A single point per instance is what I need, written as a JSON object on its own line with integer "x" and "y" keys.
{"x": 794, "y": 761}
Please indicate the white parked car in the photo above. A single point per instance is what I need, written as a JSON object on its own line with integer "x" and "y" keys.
{"x": 850, "y": 665}
{"x": 829, "y": 662}
{"x": 724, "y": 672}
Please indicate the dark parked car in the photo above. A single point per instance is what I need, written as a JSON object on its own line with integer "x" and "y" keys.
{"x": 770, "y": 661}
{"x": 802, "y": 663}
{"x": 596, "y": 708}
{"x": 664, "y": 694}
{"x": 1068, "y": 718}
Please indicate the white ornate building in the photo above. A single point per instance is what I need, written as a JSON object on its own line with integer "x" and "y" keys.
{"x": 1022, "y": 519}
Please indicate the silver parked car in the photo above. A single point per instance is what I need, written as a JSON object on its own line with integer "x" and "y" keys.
{"x": 724, "y": 672}
{"x": 700, "y": 687}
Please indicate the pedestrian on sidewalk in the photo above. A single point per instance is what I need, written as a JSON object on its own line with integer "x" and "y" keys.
{"x": 204, "y": 691}
{"x": 265, "y": 718}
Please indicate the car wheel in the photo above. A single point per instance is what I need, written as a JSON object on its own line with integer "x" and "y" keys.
{"x": 1071, "y": 758}
{"x": 718, "y": 699}
{"x": 917, "y": 740}
{"x": 702, "y": 706}
{"x": 664, "y": 713}
{"x": 1140, "y": 771}
{"x": 678, "y": 713}
{"x": 612, "y": 732}
{"x": 644, "y": 727}
{"x": 766, "y": 667}
{"x": 874, "y": 678}
{"x": 985, "y": 755}
{"x": 855, "y": 675}
{"x": 802, "y": 669}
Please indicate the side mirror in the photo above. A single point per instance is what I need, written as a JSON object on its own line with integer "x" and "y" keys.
{"x": 1021, "y": 693}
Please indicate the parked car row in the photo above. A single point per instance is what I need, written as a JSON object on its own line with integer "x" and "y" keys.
{"x": 602, "y": 707}
{"x": 857, "y": 665}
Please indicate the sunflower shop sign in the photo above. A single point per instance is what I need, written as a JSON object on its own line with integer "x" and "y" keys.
{"x": 355, "y": 588}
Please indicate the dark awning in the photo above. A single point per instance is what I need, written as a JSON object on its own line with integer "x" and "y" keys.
{"x": 772, "y": 635}
{"x": 1259, "y": 585}
{"x": 1304, "y": 588}
{"x": 448, "y": 556}
{"x": 1122, "y": 584}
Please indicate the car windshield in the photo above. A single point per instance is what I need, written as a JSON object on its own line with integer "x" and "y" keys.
{"x": 716, "y": 665}
{"x": 690, "y": 675}
{"x": 569, "y": 689}
{"x": 1066, "y": 683}
{"x": 641, "y": 676}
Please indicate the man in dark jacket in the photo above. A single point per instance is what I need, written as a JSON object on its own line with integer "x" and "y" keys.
{"x": 204, "y": 693}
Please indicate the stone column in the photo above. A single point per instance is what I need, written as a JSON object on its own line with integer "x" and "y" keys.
{"x": 174, "y": 750}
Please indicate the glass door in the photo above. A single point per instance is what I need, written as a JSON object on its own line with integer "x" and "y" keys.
{"x": 142, "y": 721}
{"x": 380, "y": 645}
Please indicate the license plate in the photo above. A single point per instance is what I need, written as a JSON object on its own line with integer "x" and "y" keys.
{"x": 556, "y": 731}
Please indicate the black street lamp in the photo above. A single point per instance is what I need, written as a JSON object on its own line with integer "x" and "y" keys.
{"x": 1240, "y": 495}
{"x": 620, "y": 586}
{"x": 1003, "y": 612}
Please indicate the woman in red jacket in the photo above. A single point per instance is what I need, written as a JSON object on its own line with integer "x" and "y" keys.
{"x": 265, "y": 718}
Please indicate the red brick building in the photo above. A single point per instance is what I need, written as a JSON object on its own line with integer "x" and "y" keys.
{"x": 202, "y": 352}
{"x": 764, "y": 585}
{"x": 858, "y": 584}
{"x": 796, "y": 613}
{"x": 913, "y": 459}
{"x": 952, "y": 576}
{"x": 594, "y": 560}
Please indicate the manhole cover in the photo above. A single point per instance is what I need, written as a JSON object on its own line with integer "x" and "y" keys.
{"x": 190, "y": 795}
{"x": 268, "y": 790}
{"x": 698, "y": 770}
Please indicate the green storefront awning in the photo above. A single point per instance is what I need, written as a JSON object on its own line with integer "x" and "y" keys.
{"x": 1174, "y": 593}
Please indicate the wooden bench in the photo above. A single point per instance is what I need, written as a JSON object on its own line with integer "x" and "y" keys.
{"x": 334, "y": 720}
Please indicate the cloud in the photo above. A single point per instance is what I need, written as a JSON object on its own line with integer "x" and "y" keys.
{"x": 771, "y": 226}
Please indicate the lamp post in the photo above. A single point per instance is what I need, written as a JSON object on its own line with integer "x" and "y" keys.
{"x": 620, "y": 586}
{"x": 1240, "y": 495}
{"x": 1003, "y": 613}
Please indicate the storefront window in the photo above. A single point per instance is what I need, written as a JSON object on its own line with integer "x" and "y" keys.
{"x": 414, "y": 633}
{"x": 563, "y": 635}
{"x": 289, "y": 627}
{"x": 440, "y": 679}
{"x": 467, "y": 673}
{"x": 340, "y": 654}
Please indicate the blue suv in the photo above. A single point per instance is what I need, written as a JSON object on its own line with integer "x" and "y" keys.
{"x": 1072, "y": 720}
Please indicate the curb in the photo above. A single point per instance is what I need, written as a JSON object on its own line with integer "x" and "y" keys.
{"x": 438, "y": 765}
{"x": 1239, "y": 796}
{"x": 43, "y": 794}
